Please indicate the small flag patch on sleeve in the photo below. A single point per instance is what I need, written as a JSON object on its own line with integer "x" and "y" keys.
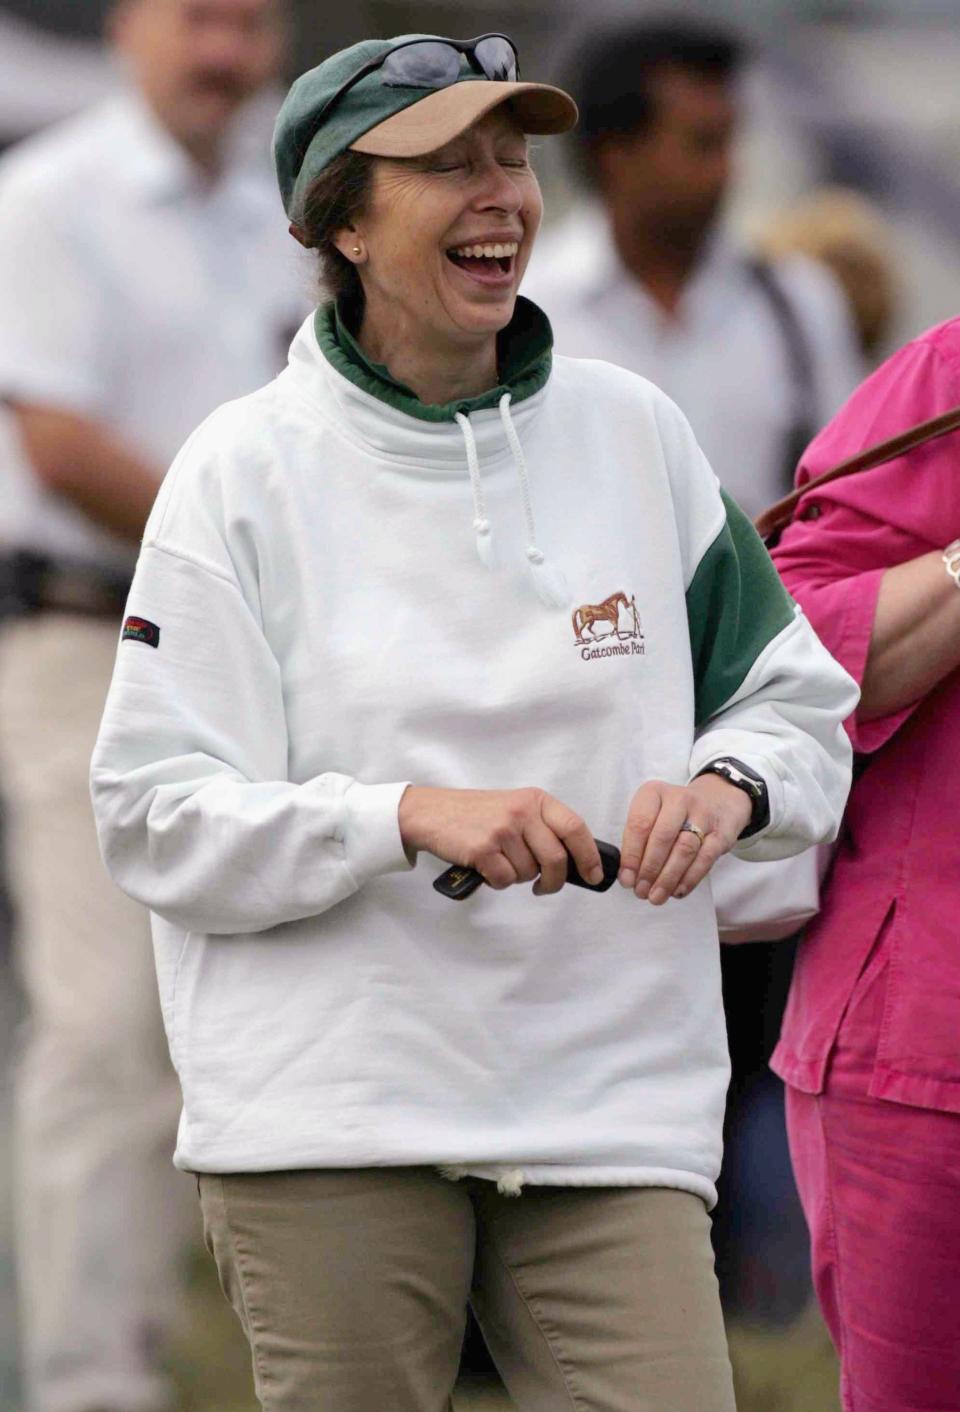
{"x": 139, "y": 630}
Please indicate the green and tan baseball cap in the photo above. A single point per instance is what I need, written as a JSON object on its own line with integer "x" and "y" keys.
{"x": 392, "y": 119}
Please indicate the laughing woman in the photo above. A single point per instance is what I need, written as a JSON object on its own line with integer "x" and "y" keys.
{"x": 378, "y": 614}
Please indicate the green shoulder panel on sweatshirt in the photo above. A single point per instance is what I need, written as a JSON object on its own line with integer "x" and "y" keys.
{"x": 736, "y": 605}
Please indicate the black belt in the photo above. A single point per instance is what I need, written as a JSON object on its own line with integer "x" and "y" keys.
{"x": 31, "y": 582}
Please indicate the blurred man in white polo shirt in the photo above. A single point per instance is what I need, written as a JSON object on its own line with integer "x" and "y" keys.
{"x": 757, "y": 355}
{"x": 145, "y": 277}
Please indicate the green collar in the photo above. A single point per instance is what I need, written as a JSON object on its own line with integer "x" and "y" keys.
{"x": 523, "y": 356}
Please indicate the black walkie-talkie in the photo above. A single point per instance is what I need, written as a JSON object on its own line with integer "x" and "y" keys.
{"x": 459, "y": 883}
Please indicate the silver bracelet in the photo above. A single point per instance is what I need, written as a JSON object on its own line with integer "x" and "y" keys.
{"x": 951, "y": 561}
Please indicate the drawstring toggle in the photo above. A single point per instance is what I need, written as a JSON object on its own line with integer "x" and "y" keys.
{"x": 549, "y": 583}
{"x": 483, "y": 535}
{"x": 481, "y": 528}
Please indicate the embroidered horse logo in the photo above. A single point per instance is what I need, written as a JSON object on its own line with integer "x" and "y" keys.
{"x": 615, "y": 615}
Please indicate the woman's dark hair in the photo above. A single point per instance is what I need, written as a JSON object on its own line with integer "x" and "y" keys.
{"x": 337, "y": 197}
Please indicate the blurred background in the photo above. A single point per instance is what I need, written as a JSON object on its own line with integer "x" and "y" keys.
{"x": 857, "y": 92}
{"x": 859, "y": 96}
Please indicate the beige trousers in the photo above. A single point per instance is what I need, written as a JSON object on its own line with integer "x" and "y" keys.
{"x": 352, "y": 1288}
{"x": 100, "y": 1211}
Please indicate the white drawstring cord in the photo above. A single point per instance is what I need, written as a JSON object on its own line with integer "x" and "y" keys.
{"x": 509, "y": 1180}
{"x": 481, "y": 525}
{"x": 521, "y": 460}
{"x": 549, "y": 582}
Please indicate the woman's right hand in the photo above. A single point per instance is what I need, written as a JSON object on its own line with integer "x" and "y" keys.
{"x": 508, "y": 835}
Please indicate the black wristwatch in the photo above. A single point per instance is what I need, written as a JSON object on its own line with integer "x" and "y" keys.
{"x": 739, "y": 774}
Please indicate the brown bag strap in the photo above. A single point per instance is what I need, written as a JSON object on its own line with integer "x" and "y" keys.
{"x": 770, "y": 522}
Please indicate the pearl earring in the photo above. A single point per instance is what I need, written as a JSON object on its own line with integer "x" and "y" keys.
{"x": 357, "y": 250}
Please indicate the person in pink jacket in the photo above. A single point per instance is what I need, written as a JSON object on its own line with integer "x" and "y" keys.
{"x": 870, "y": 1047}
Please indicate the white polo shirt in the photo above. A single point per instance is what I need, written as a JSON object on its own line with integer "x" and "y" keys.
{"x": 134, "y": 292}
{"x": 723, "y": 358}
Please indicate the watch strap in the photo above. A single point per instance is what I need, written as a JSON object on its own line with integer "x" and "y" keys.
{"x": 741, "y": 776}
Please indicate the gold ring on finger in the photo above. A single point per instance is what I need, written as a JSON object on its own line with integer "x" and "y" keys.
{"x": 687, "y": 827}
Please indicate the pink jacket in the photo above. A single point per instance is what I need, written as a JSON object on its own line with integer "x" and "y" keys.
{"x": 899, "y": 855}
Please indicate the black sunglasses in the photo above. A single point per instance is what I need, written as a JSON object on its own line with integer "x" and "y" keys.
{"x": 434, "y": 63}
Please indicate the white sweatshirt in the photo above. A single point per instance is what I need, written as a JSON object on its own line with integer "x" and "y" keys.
{"x": 318, "y": 628}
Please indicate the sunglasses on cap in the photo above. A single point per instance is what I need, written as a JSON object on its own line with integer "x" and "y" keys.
{"x": 435, "y": 63}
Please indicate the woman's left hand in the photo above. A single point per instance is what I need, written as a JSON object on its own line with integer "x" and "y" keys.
{"x": 658, "y": 857}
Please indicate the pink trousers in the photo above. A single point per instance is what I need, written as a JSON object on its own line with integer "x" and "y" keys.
{"x": 880, "y": 1186}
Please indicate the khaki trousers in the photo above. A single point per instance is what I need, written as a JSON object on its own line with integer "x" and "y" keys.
{"x": 352, "y": 1288}
{"x": 100, "y": 1211}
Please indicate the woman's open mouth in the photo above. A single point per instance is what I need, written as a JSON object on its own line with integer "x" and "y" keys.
{"x": 487, "y": 264}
